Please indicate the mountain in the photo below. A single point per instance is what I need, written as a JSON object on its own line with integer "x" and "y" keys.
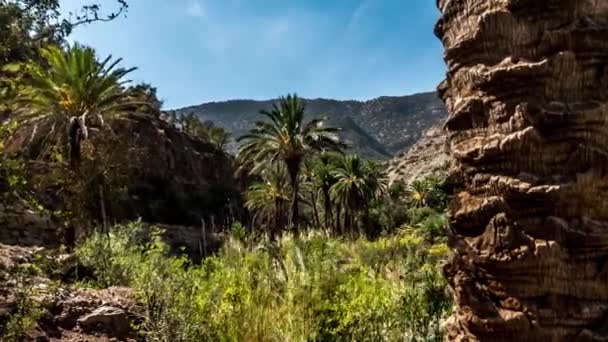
{"x": 378, "y": 128}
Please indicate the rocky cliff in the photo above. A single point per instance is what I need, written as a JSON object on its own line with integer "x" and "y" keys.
{"x": 378, "y": 128}
{"x": 173, "y": 179}
{"x": 527, "y": 97}
{"x": 428, "y": 156}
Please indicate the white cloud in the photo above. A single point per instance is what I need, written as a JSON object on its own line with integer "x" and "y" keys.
{"x": 195, "y": 9}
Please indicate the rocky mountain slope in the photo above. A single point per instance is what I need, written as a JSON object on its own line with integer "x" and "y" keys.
{"x": 527, "y": 97}
{"x": 378, "y": 128}
{"x": 428, "y": 156}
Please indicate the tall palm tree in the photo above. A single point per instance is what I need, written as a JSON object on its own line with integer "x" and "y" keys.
{"x": 286, "y": 138}
{"x": 358, "y": 183}
{"x": 267, "y": 199}
{"x": 323, "y": 178}
{"x": 70, "y": 87}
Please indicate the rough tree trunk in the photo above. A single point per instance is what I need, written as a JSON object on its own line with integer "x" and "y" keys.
{"x": 293, "y": 167}
{"x": 527, "y": 93}
{"x": 74, "y": 141}
{"x": 327, "y": 206}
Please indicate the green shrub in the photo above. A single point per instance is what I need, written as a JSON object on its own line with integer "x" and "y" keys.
{"x": 307, "y": 288}
{"x": 115, "y": 256}
{"x": 26, "y": 310}
{"x": 433, "y": 227}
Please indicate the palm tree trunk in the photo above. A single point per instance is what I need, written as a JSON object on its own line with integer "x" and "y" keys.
{"x": 327, "y": 203}
{"x": 277, "y": 220}
{"x": 337, "y": 220}
{"x": 74, "y": 140}
{"x": 345, "y": 224}
{"x": 102, "y": 205}
{"x": 528, "y": 265}
{"x": 315, "y": 210}
{"x": 293, "y": 167}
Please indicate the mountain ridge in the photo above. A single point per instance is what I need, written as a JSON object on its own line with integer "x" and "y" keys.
{"x": 378, "y": 128}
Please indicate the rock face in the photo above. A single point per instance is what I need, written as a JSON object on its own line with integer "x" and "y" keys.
{"x": 527, "y": 97}
{"x": 176, "y": 179}
{"x": 22, "y": 224}
{"x": 173, "y": 177}
{"x": 428, "y": 156}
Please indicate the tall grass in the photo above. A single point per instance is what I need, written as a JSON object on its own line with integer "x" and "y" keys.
{"x": 309, "y": 288}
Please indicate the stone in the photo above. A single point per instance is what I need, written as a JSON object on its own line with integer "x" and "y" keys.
{"x": 112, "y": 321}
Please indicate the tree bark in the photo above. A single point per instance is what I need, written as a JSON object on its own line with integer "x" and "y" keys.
{"x": 338, "y": 213}
{"x": 74, "y": 140}
{"x": 327, "y": 203}
{"x": 315, "y": 210}
{"x": 293, "y": 167}
{"x": 527, "y": 93}
{"x": 102, "y": 205}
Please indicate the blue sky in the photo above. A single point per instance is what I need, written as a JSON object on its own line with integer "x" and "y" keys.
{"x": 197, "y": 51}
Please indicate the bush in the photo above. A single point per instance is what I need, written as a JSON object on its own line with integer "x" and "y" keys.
{"x": 26, "y": 311}
{"x": 300, "y": 289}
{"x": 114, "y": 256}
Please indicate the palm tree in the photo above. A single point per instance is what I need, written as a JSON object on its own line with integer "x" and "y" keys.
{"x": 429, "y": 191}
{"x": 358, "y": 183}
{"x": 267, "y": 199}
{"x": 323, "y": 178}
{"x": 419, "y": 191}
{"x": 287, "y": 139}
{"x": 69, "y": 88}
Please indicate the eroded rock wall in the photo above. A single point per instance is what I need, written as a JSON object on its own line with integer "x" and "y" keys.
{"x": 527, "y": 93}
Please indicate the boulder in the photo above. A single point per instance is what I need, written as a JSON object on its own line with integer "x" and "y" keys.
{"x": 107, "y": 319}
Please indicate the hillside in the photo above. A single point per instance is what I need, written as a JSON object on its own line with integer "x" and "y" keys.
{"x": 378, "y": 128}
{"x": 427, "y": 156}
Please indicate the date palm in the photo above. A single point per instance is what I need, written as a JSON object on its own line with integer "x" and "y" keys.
{"x": 68, "y": 89}
{"x": 285, "y": 138}
{"x": 267, "y": 199}
{"x": 419, "y": 191}
{"x": 323, "y": 178}
{"x": 357, "y": 183}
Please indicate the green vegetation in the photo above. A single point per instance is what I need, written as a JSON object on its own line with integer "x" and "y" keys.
{"x": 306, "y": 288}
{"x": 206, "y": 131}
{"x": 26, "y": 310}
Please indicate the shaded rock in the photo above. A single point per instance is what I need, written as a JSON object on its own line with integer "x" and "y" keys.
{"x": 173, "y": 178}
{"x": 77, "y": 303}
{"x": 22, "y": 224}
{"x": 112, "y": 321}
